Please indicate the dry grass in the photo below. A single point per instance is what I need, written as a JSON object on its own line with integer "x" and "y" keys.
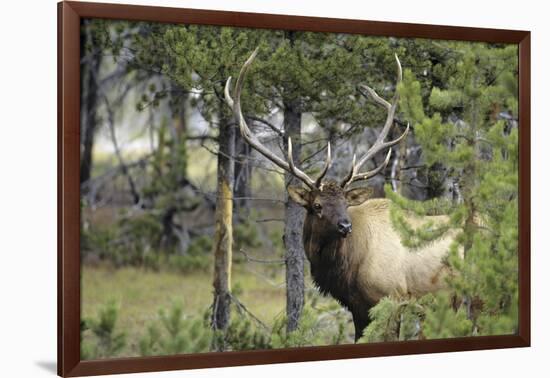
{"x": 141, "y": 293}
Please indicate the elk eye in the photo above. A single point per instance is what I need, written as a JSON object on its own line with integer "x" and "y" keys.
{"x": 317, "y": 206}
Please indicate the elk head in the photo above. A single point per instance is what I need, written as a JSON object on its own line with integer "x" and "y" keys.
{"x": 327, "y": 200}
{"x": 329, "y": 203}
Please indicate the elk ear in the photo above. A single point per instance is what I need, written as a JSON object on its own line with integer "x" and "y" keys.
{"x": 357, "y": 196}
{"x": 299, "y": 195}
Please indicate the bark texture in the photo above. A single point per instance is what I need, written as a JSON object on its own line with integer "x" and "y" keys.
{"x": 223, "y": 238}
{"x": 294, "y": 220}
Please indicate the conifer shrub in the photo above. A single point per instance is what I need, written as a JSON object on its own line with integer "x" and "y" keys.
{"x": 174, "y": 332}
{"x": 99, "y": 337}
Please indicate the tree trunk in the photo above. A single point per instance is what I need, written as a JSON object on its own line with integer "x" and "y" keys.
{"x": 174, "y": 234}
{"x": 294, "y": 220}
{"x": 397, "y": 174}
{"x": 123, "y": 167}
{"x": 243, "y": 172}
{"x": 223, "y": 238}
{"x": 88, "y": 118}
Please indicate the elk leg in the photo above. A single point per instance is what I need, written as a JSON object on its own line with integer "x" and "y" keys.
{"x": 360, "y": 321}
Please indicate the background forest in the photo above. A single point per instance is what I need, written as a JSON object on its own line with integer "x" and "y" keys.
{"x": 165, "y": 172}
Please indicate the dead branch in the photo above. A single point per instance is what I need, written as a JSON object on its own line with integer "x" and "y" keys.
{"x": 261, "y": 261}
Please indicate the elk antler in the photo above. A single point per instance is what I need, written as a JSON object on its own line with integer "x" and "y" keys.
{"x": 253, "y": 141}
{"x": 379, "y": 145}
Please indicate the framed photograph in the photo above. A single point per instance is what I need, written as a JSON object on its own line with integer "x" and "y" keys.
{"x": 240, "y": 188}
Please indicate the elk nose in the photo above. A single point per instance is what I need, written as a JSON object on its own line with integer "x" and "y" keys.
{"x": 344, "y": 227}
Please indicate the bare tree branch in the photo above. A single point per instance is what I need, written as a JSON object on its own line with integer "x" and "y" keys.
{"x": 261, "y": 261}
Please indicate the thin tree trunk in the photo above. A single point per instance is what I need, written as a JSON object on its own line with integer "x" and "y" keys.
{"x": 467, "y": 187}
{"x": 123, "y": 167}
{"x": 178, "y": 130}
{"x": 243, "y": 172}
{"x": 294, "y": 216}
{"x": 294, "y": 220}
{"x": 223, "y": 238}
{"x": 397, "y": 176}
{"x": 173, "y": 234}
{"x": 89, "y": 119}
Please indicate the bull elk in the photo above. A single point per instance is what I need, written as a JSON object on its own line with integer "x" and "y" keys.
{"x": 359, "y": 267}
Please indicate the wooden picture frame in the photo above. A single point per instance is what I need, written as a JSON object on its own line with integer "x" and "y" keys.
{"x": 69, "y": 16}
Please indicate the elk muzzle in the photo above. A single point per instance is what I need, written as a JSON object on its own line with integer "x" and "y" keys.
{"x": 344, "y": 227}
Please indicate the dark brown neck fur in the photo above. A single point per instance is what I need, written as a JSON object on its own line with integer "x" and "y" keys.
{"x": 332, "y": 263}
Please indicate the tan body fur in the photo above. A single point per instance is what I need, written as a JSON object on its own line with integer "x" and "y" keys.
{"x": 386, "y": 267}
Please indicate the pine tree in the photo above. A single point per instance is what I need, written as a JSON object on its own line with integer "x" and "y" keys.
{"x": 175, "y": 333}
{"x": 107, "y": 341}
